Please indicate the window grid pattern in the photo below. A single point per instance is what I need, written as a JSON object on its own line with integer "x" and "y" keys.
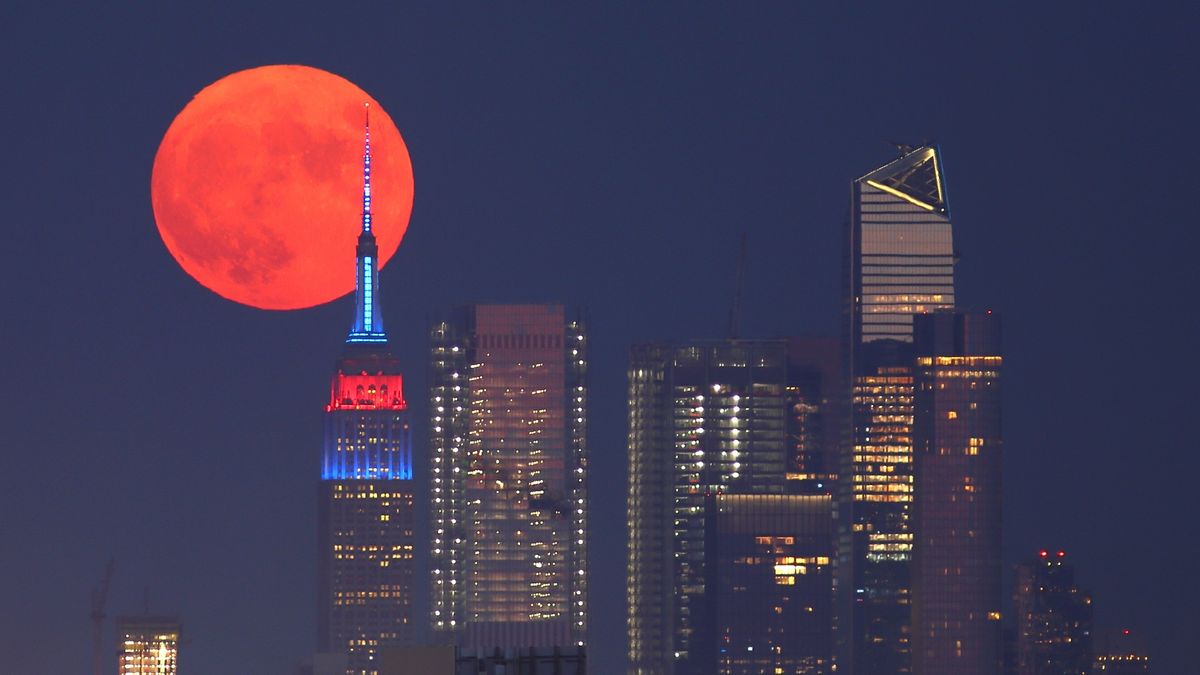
{"x": 509, "y": 472}
{"x": 148, "y": 645}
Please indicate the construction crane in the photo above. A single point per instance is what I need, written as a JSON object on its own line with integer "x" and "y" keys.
{"x": 99, "y": 600}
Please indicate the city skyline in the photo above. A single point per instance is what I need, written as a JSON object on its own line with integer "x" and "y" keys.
{"x": 188, "y": 397}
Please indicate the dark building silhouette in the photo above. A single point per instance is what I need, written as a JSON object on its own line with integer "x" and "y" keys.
{"x": 956, "y": 495}
{"x": 509, "y": 459}
{"x": 771, "y": 573}
{"x": 148, "y": 645}
{"x": 449, "y": 660}
{"x": 816, "y": 412}
{"x": 325, "y": 664}
{"x": 729, "y": 417}
{"x": 366, "y": 520}
{"x": 1053, "y": 618}
{"x": 1120, "y": 652}
{"x": 899, "y": 263}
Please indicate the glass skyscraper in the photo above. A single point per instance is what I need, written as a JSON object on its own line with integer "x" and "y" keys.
{"x": 509, "y": 516}
{"x": 900, "y": 262}
{"x": 902, "y": 243}
{"x": 728, "y": 417}
{"x": 366, "y": 519}
{"x": 956, "y": 506}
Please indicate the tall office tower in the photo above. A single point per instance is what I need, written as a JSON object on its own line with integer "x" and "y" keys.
{"x": 706, "y": 418}
{"x": 1053, "y": 618}
{"x": 900, "y": 262}
{"x": 956, "y": 504}
{"x": 149, "y": 645}
{"x": 770, "y": 568}
{"x": 902, "y": 246}
{"x": 366, "y": 520}
{"x": 508, "y": 433}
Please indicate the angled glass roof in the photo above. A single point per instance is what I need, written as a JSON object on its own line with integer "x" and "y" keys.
{"x": 916, "y": 176}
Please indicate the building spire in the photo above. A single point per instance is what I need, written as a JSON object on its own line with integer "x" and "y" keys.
{"x": 368, "y": 320}
{"x": 366, "y": 212}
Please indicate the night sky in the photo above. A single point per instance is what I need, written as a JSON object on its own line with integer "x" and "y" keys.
{"x": 608, "y": 158}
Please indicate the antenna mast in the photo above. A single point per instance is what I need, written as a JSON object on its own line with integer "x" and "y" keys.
{"x": 735, "y": 312}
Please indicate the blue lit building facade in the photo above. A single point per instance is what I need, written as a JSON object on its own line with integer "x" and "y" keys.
{"x": 366, "y": 520}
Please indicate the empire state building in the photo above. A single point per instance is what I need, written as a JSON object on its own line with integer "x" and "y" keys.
{"x": 365, "y": 515}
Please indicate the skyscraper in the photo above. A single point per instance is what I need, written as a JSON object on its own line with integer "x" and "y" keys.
{"x": 770, "y": 570}
{"x": 737, "y": 417}
{"x": 149, "y": 645}
{"x": 902, "y": 246}
{"x": 509, "y": 457}
{"x": 1053, "y": 618}
{"x": 366, "y": 521}
{"x": 956, "y": 505}
{"x": 900, "y": 262}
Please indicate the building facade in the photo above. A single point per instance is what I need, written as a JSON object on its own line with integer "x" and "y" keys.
{"x": 509, "y": 516}
{"x": 366, "y": 522}
{"x": 771, "y": 576}
{"x": 737, "y": 417}
{"x": 148, "y": 645}
{"x": 450, "y": 660}
{"x": 957, "y": 439}
{"x": 899, "y": 263}
{"x": 1053, "y": 618}
{"x": 902, "y": 246}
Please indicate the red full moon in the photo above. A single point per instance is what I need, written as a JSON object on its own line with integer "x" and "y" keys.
{"x": 257, "y": 186}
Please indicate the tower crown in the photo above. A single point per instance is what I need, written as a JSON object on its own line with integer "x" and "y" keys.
{"x": 916, "y": 177}
{"x": 368, "y": 319}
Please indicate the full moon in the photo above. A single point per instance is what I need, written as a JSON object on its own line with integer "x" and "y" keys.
{"x": 257, "y": 185}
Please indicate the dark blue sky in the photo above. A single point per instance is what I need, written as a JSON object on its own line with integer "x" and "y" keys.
{"x": 608, "y": 157}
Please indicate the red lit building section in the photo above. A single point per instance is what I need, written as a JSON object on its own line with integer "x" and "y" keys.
{"x": 366, "y": 392}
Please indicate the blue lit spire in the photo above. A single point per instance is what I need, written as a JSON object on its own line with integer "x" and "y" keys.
{"x": 368, "y": 320}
